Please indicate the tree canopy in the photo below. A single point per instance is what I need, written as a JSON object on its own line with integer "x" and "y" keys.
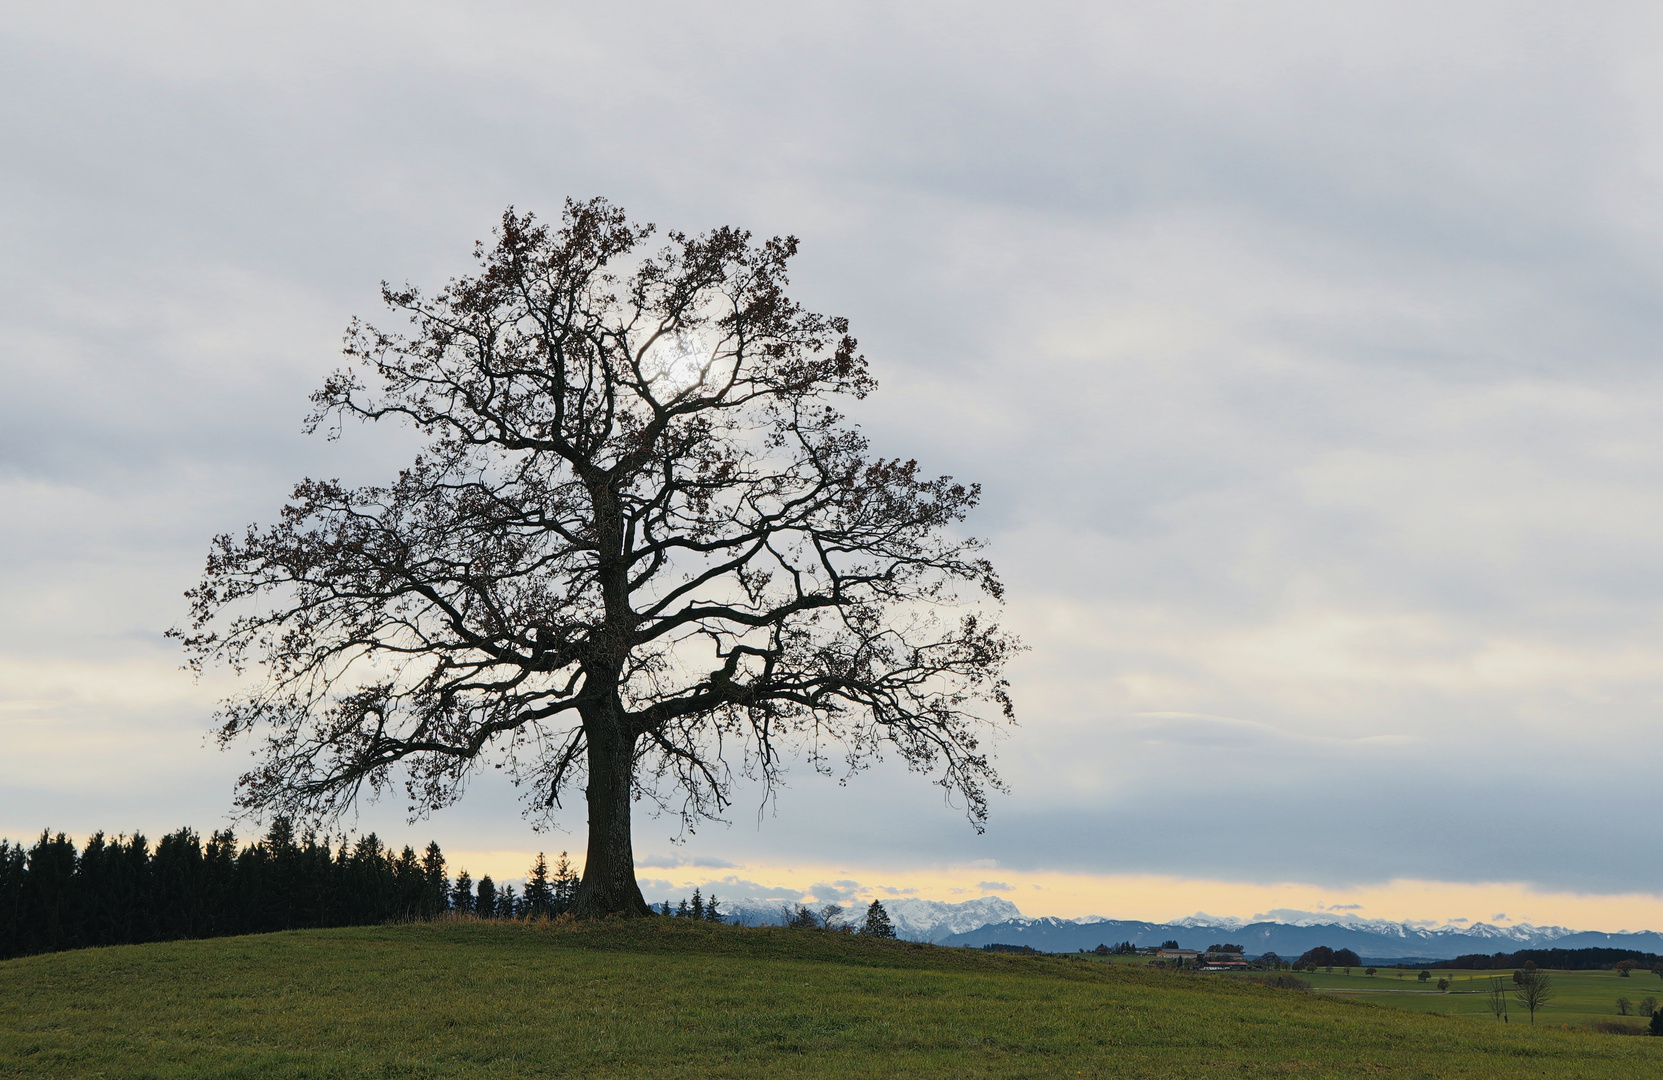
{"x": 640, "y": 551}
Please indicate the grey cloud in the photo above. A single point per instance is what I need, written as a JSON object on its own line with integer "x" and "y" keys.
{"x": 732, "y": 886}
{"x": 1307, "y": 358}
{"x": 670, "y": 861}
{"x": 841, "y": 892}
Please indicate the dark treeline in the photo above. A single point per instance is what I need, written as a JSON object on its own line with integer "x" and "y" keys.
{"x": 1323, "y": 956}
{"x": 699, "y": 908}
{"x": 1557, "y": 959}
{"x": 121, "y": 891}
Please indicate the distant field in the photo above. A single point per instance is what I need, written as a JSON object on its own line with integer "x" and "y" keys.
{"x": 670, "y": 999}
{"x": 1582, "y": 995}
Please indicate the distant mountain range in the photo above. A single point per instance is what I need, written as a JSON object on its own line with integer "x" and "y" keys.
{"x": 915, "y": 920}
{"x": 992, "y": 920}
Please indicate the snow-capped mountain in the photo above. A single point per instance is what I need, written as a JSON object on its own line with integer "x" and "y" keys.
{"x": 932, "y": 920}
{"x": 991, "y": 919}
{"x": 915, "y": 920}
{"x": 1370, "y": 938}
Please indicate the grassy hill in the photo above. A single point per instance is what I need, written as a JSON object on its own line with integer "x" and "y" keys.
{"x": 672, "y": 999}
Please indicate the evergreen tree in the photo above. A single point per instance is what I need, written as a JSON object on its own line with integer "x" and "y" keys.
{"x": 698, "y": 906}
{"x": 435, "y": 885}
{"x": 47, "y": 896}
{"x": 713, "y": 909}
{"x": 95, "y": 884}
{"x": 11, "y": 898}
{"x": 485, "y": 906}
{"x": 177, "y": 877}
{"x": 407, "y": 884}
{"x": 539, "y": 894}
{"x": 133, "y": 902}
{"x": 682, "y": 911}
{"x": 877, "y": 922}
{"x": 219, "y": 881}
{"x": 461, "y": 897}
{"x": 282, "y": 877}
{"x": 565, "y": 884}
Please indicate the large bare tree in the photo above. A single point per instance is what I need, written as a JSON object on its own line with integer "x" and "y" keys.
{"x": 640, "y": 550}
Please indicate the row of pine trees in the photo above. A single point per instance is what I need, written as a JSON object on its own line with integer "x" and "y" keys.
{"x": 121, "y": 891}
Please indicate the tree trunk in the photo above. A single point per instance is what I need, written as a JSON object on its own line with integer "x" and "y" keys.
{"x": 608, "y": 886}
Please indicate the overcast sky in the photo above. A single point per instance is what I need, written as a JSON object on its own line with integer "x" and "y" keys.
{"x": 1308, "y": 354}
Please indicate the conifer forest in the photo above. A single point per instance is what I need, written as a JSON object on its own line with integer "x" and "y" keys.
{"x": 123, "y": 891}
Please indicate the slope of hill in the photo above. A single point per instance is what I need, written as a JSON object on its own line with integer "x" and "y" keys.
{"x": 673, "y": 998}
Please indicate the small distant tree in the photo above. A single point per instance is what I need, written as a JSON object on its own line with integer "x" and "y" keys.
{"x": 831, "y": 917}
{"x": 697, "y": 907}
{"x": 1424, "y": 975}
{"x": 1270, "y": 961}
{"x": 1624, "y": 967}
{"x": 682, "y": 910}
{"x": 1534, "y": 990}
{"x": 461, "y": 897}
{"x": 877, "y": 923}
{"x": 1498, "y": 999}
{"x": 1169, "y": 944}
{"x": 1443, "y": 984}
{"x": 485, "y": 905}
{"x": 1648, "y": 1005}
{"x": 1347, "y": 959}
{"x": 509, "y": 906}
{"x": 713, "y": 910}
{"x": 1624, "y": 1006}
{"x": 1370, "y": 972}
{"x": 800, "y": 918}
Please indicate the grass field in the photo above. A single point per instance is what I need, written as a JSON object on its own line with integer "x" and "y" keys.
{"x": 670, "y": 999}
{"x": 1581, "y": 996}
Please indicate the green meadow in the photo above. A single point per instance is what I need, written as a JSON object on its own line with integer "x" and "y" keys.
{"x": 665, "y": 998}
{"x": 1581, "y": 997}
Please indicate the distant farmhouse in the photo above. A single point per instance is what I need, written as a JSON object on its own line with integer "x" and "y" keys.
{"x": 1215, "y": 958}
{"x": 1223, "y": 958}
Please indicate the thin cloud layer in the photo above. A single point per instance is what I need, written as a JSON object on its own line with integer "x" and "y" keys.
{"x": 1307, "y": 357}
